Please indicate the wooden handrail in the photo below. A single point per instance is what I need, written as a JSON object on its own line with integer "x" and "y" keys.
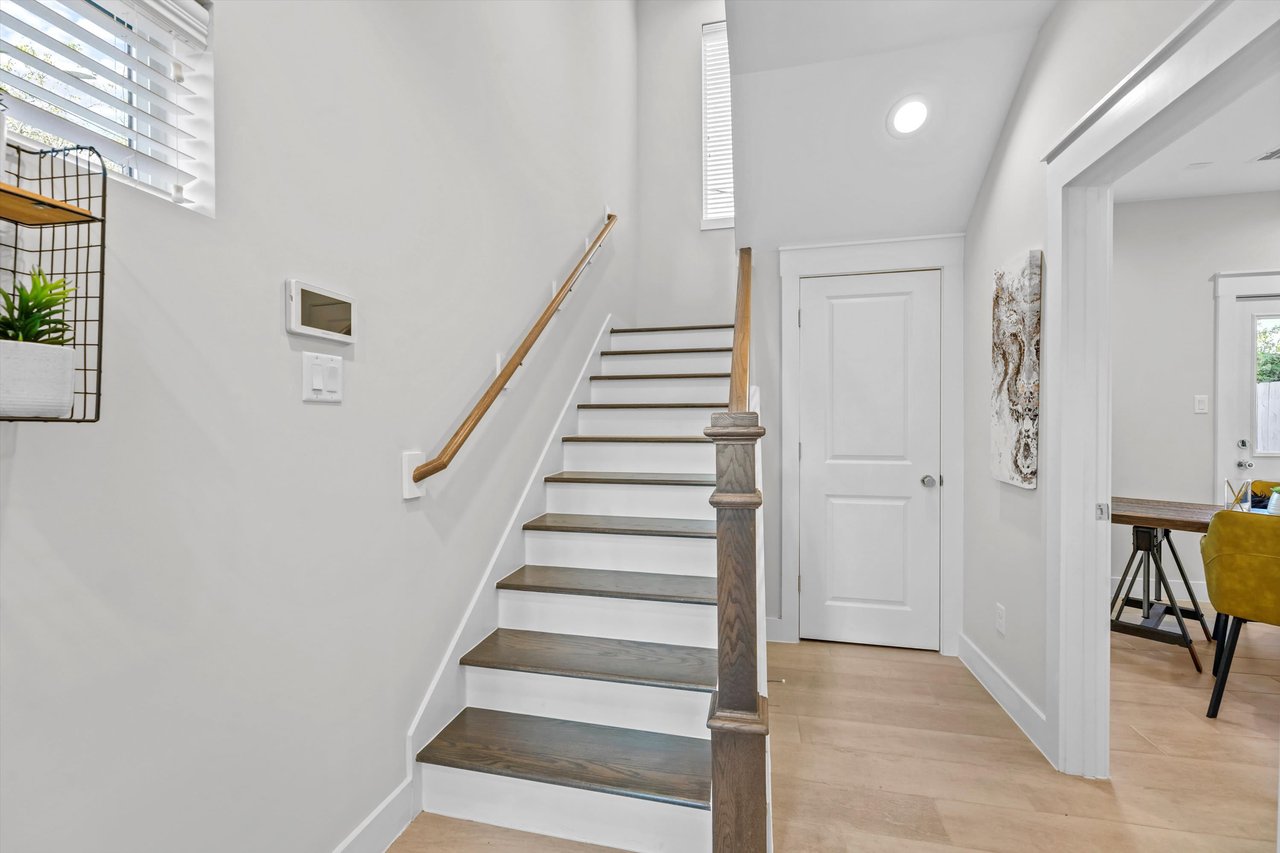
{"x": 740, "y": 369}
{"x": 468, "y": 425}
{"x": 739, "y": 715}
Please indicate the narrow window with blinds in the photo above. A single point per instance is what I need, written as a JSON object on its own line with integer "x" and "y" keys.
{"x": 717, "y": 129}
{"x": 128, "y": 77}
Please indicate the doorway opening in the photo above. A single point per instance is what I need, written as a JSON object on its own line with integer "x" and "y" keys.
{"x": 1225, "y": 52}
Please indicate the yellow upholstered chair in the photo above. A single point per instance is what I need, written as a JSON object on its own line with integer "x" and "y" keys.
{"x": 1263, "y": 487}
{"x": 1242, "y": 570}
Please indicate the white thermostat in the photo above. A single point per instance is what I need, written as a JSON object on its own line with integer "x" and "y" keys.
{"x": 320, "y": 313}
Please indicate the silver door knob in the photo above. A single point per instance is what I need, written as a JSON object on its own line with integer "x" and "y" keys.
{"x": 1245, "y": 464}
{"x": 928, "y": 481}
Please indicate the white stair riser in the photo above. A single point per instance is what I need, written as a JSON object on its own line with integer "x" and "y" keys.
{"x": 675, "y": 362}
{"x": 627, "y": 499}
{"x": 660, "y": 554}
{"x": 659, "y": 390}
{"x": 649, "y": 456}
{"x": 612, "y": 618}
{"x": 672, "y": 340}
{"x": 609, "y": 820}
{"x": 628, "y": 706}
{"x": 645, "y": 421}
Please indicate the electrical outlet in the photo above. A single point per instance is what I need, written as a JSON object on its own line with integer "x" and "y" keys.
{"x": 1000, "y": 619}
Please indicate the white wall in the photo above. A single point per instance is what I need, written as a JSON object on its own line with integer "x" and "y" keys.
{"x": 814, "y": 165}
{"x": 688, "y": 275}
{"x": 218, "y": 615}
{"x": 1083, "y": 50}
{"x": 1162, "y": 344}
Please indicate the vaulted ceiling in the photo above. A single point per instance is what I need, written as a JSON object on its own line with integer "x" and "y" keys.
{"x": 773, "y": 34}
{"x": 814, "y": 82}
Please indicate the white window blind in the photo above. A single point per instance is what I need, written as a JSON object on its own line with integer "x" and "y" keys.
{"x": 717, "y": 129}
{"x": 111, "y": 74}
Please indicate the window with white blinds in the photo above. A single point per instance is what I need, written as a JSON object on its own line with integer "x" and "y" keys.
{"x": 117, "y": 75}
{"x": 717, "y": 129}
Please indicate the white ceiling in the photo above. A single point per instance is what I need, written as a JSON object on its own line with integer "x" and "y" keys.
{"x": 1230, "y": 144}
{"x": 772, "y": 34}
{"x": 813, "y": 86}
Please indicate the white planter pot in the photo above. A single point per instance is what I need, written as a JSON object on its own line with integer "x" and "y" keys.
{"x": 36, "y": 380}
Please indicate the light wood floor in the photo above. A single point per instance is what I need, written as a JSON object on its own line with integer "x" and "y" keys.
{"x": 879, "y": 749}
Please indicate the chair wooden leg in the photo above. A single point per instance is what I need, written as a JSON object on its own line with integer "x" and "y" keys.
{"x": 1224, "y": 667}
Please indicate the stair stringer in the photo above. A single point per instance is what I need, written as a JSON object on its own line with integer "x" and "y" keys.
{"x": 446, "y": 695}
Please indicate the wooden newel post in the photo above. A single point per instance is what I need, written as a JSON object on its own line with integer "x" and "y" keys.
{"x": 739, "y": 715}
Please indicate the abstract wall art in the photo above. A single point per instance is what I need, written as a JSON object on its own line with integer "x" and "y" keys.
{"x": 1015, "y": 370}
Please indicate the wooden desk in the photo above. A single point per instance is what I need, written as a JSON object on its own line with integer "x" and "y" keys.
{"x": 1165, "y": 515}
{"x": 1152, "y": 522}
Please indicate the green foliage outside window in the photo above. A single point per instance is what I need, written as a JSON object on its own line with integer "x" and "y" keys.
{"x": 1269, "y": 351}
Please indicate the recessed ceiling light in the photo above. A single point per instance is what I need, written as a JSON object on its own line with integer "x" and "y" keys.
{"x": 908, "y": 116}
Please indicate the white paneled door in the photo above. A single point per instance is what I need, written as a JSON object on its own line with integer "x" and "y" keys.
{"x": 870, "y": 436}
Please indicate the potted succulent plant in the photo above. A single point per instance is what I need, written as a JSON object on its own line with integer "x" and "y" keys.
{"x": 37, "y": 363}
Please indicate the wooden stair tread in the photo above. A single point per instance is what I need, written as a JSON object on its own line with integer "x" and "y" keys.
{"x": 653, "y": 405}
{"x": 649, "y": 439}
{"x": 627, "y": 525}
{"x": 674, "y": 351}
{"x": 605, "y": 583}
{"x": 597, "y": 659}
{"x": 632, "y": 478}
{"x": 614, "y": 377}
{"x": 647, "y": 765}
{"x": 672, "y": 328}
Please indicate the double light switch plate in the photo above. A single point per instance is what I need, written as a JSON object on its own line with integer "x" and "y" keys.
{"x": 321, "y": 378}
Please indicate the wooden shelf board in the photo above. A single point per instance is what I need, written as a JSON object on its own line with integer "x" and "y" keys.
{"x": 27, "y": 208}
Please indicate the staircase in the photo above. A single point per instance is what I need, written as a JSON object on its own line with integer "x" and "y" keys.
{"x": 586, "y": 711}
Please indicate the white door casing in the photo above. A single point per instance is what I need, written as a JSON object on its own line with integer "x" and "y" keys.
{"x": 870, "y": 433}
{"x": 1240, "y": 300}
{"x": 797, "y": 266}
{"x": 1224, "y": 49}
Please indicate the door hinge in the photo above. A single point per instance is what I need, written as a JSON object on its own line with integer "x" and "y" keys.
{"x": 797, "y": 318}
{"x": 799, "y": 450}
{"x": 798, "y": 583}
{"x": 1102, "y": 512}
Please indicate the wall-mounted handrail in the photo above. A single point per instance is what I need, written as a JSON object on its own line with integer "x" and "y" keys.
{"x": 468, "y": 425}
{"x": 740, "y": 369}
{"x": 739, "y": 715}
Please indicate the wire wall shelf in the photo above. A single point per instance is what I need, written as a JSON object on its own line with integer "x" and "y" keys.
{"x": 53, "y": 206}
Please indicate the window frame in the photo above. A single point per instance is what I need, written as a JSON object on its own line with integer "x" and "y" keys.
{"x": 711, "y": 33}
{"x": 174, "y": 163}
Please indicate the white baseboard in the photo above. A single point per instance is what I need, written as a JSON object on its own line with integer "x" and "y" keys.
{"x": 775, "y": 629}
{"x": 377, "y": 832}
{"x": 1026, "y": 714}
